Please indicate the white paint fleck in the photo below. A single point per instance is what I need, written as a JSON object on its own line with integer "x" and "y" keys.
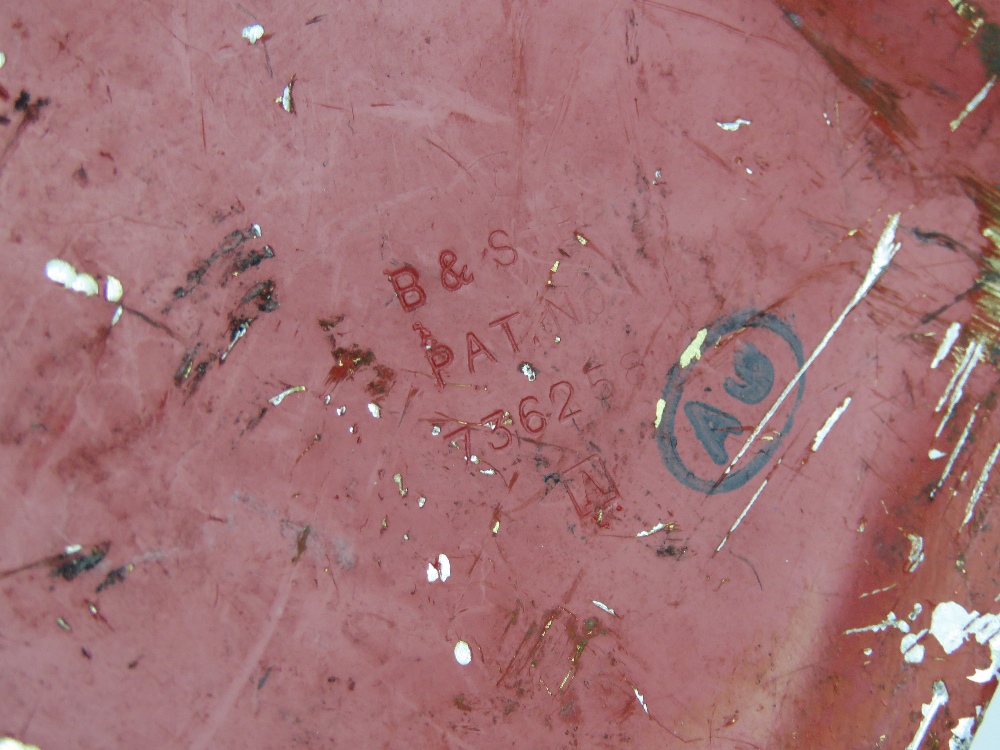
{"x": 255, "y": 230}
{"x": 885, "y": 250}
{"x": 341, "y": 410}
{"x": 973, "y": 103}
{"x": 113, "y": 289}
{"x": 435, "y": 430}
{"x": 444, "y": 567}
{"x": 733, "y": 126}
{"x": 432, "y": 573}
{"x": 605, "y": 607}
{"x": 85, "y": 284}
{"x": 916, "y": 552}
{"x": 917, "y": 609}
{"x": 64, "y": 273}
{"x": 977, "y": 490}
{"x": 891, "y": 621}
{"x": 641, "y": 699}
{"x": 375, "y": 410}
{"x": 939, "y": 697}
{"x": 421, "y": 501}
{"x": 950, "y": 337}
{"x": 660, "y": 405}
{"x": 117, "y": 315}
{"x": 529, "y": 371}
{"x": 72, "y": 549}
{"x": 3, "y": 59}
{"x": 934, "y": 454}
{"x": 326, "y": 399}
{"x": 463, "y": 654}
{"x": 657, "y": 176}
{"x": 693, "y": 350}
{"x": 826, "y": 117}
{"x": 488, "y": 472}
{"x": 867, "y": 652}
{"x": 9, "y": 743}
{"x": 398, "y": 479}
{"x": 276, "y": 400}
{"x": 652, "y": 531}
{"x": 954, "y": 453}
{"x": 285, "y": 100}
{"x": 253, "y": 33}
{"x": 828, "y": 425}
{"x": 911, "y": 649}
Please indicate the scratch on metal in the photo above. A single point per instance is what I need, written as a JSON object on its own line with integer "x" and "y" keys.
{"x": 977, "y": 491}
{"x": 954, "y": 453}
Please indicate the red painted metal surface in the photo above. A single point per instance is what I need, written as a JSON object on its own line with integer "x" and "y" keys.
{"x": 442, "y": 325}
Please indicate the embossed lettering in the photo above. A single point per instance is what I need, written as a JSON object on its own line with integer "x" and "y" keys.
{"x": 476, "y": 347}
{"x": 505, "y": 325}
{"x": 510, "y": 253}
{"x": 451, "y": 280}
{"x": 410, "y": 294}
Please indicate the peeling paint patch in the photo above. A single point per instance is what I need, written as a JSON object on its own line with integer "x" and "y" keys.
{"x": 939, "y": 697}
{"x": 910, "y": 647}
{"x": 9, "y": 743}
{"x": 64, "y": 273}
{"x": 693, "y": 350}
{"x": 828, "y": 425}
{"x": 440, "y": 571}
{"x": 962, "y": 733}
{"x": 951, "y": 624}
{"x": 375, "y": 410}
{"x": 113, "y": 289}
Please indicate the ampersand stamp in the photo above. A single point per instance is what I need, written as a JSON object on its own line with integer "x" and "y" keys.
{"x": 451, "y": 280}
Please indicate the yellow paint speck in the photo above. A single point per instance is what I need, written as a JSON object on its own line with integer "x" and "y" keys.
{"x": 693, "y": 351}
{"x": 659, "y": 412}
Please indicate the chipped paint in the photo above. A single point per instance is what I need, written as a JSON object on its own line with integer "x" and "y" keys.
{"x": 934, "y": 454}
{"x": 956, "y": 387}
{"x": 885, "y": 250}
{"x": 3, "y": 59}
{"x": 951, "y": 625}
{"x": 9, "y": 743}
{"x": 660, "y": 405}
{"x": 463, "y": 654}
{"x": 117, "y": 315}
{"x": 980, "y": 485}
{"x": 341, "y": 410}
{"x": 605, "y": 607}
{"x": 375, "y": 410}
{"x": 939, "y": 697}
{"x": 950, "y": 337}
{"x": 916, "y": 555}
{"x": 253, "y": 33}
{"x": 435, "y": 430}
{"x": 528, "y": 370}
{"x": 693, "y": 350}
{"x": 954, "y": 453}
{"x": 973, "y": 103}
{"x": 641, "y": 699}
{"x": 742, "y": 516}
{"x": 421, "y": 501}
{"x": 287, "y": 392}
{"x": 653, "y": 530}
{"x": 828, "y": 425}
{"x": 733, "y": 126}
{"x": 882, "y": 590}
{"x": 285, "y": 100}
{"x": 890, "y": 621}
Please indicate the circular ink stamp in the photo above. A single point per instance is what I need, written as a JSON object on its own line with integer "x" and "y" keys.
{"x": 716, "y": 395}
